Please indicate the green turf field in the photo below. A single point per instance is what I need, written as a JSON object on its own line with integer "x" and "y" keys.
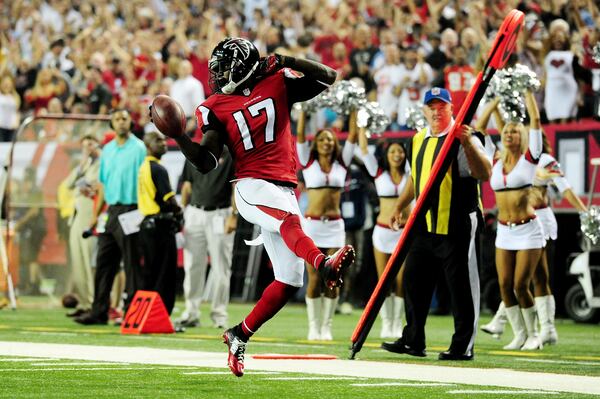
{"x": 578, "y": 353}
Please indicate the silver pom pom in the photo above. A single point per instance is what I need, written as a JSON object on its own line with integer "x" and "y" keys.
{"x": 371, "y": 116}
{"x": 590, "y": 224}
{"x": 510, "y": 84}
{"x": 596, "y": 53}
{"x": 343, "y": 97}
{"x": 415, "y": 119}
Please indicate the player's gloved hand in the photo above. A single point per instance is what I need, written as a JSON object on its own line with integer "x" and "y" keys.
{"x": 173, "y": 133}
{"x": 270, "y": 64}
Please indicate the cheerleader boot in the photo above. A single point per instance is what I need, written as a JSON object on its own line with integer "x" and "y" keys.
{"x": 515, "y": 318}
{"x": 496, "y": 325}
{"x": 329, "y": 305}
{"x": 386, "y": 318}
{"x": 546, "y": 307}
{"x": 398, "y": 314}
{"x": 533, "y": 342}
{"x": 313, "y": 310}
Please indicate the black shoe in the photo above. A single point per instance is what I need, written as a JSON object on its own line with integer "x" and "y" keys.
{"x": 399, "y": 347}
{"x": 77, "y": 313}
{"x": 187, "y": 323}
{"x": 88, "y": 319}
{"x": 451, "y": 355}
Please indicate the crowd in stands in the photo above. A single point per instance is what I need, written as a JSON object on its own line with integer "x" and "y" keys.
{"x": 97, "y": 55}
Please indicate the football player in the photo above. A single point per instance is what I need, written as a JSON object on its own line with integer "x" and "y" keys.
{"x": 249, "y": 112}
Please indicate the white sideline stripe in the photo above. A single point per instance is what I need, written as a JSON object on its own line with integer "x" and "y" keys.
{"x": 310, "y": 378}
{"x": 91, "y": 369}
{"x": 78, "y": 364}
{"x": 405, "y": 384}
{"x": 503, "y": 392}
{"x": 246, "y": 372}
{"x": 585, "y": 363}
{"x": 25, "y": 359}
{"x": 348, "y": 368}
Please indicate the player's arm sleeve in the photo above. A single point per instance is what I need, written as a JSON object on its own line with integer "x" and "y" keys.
{"x": 160, "y": 177}
{"x": 305, "y": 78}
{"x": 303, "y": 150}
{"x": 204, "y": 156}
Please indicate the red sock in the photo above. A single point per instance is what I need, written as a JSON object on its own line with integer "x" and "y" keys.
{"x": 298, "y": 242}
{"x": 272, "y": 300}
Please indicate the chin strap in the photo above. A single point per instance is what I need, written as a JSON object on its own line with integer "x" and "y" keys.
{"x": 231, "y": 86}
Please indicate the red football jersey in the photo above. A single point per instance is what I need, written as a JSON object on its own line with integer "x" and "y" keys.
{"x": 257, "y": 128}
{"x": 458, "y": 81}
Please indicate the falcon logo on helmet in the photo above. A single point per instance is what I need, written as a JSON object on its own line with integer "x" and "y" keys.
{"x": 233, "y": 61}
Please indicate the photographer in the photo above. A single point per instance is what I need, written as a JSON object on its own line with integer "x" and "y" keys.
{"x": 162, "y": 220}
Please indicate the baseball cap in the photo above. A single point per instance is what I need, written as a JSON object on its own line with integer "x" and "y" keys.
{"x": 437, "y": 93}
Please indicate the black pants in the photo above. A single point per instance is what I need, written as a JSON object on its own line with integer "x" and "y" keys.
{"x": 430, "y": 255}
{"x": 114, "y": 246}
{"x": 159, "y": 254}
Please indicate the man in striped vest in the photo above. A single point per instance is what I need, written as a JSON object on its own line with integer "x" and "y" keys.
{"x": 445, "y": 234}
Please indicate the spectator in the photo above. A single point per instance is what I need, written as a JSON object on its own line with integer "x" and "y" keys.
{"x": 97, "y": 94}
{"x": 415, "y": 80}
{"x": 10, "y": 103}
{"x": 458, "y": 78}
{"x": 186, "y": 89}
{"x": 362, "y": 55}
{"x": 340, "y": 61}
{"x": 57, "y": 57}
{"x": 561, "y": 95}
{"x": 386, "y": 79}
{"x": 48, "y": 84}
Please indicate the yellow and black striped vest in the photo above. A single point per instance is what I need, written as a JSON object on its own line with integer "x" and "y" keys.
{"x": 450, "y": 203}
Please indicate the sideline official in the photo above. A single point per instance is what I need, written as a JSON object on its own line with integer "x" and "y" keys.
{"x": 445, "y": 234}
{"x": 162, "y": 217}
{"x": 210, "y": 223}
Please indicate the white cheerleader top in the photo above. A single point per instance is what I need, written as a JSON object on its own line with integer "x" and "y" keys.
{"x": 523, "y": 173}
{"x": 315, "y": 177}
{"x": 385, "y": 186}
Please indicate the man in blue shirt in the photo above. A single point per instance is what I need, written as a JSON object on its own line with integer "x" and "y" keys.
{"x": 119, "y": 164}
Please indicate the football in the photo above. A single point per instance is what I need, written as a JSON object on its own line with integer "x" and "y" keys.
{"x": 168, "y": 116}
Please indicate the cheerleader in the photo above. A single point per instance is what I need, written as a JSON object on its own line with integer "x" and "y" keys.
{"x": 324, "y": 169}
{"x": 520, "y": 238}
{"x": 391, "y": 176}
{"x": 548, "y": 182}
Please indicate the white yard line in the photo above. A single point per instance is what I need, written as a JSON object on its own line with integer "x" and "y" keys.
{"x": 88, "y": 369}
{"x": 404, "y": 384}
{"x": 578, "y": 362}
{"x": 502, "y": 392}
{"x": 50, "y": 364}
{"x": 229, "y": 372}
{"x": 311, "y": 378}
{"x": 347, "y": 368}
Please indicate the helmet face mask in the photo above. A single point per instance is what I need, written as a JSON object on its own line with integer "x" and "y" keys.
{"x": 233, "y": 61}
